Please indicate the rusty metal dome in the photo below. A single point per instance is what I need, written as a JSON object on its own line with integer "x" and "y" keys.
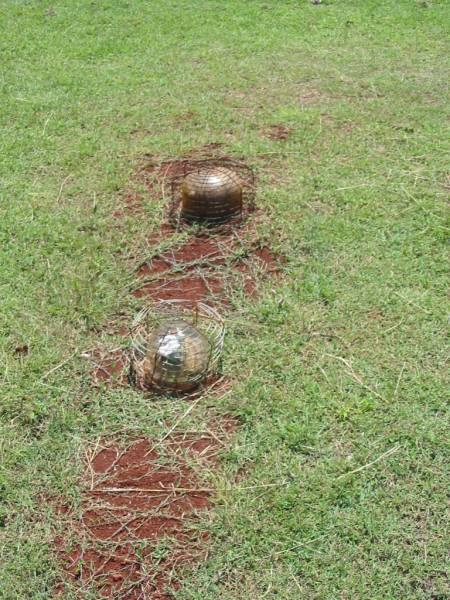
{"x": 212, "y": 195}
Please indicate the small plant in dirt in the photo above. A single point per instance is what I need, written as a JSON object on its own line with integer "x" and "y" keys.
{"x": 162, "y": 549}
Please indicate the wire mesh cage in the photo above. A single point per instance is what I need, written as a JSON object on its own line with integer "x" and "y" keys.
{"x": 176, "y": 346}
{"x": 212, "y": 192}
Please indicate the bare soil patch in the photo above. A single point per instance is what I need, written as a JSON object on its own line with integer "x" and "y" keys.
{"x": 139, "y": 511}
{"x": 200, "y": 249}
{"x": 202, "y": 268}
{"x": 190, "y": 287}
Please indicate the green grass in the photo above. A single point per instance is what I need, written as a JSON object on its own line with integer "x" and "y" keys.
{"x": 335, "y": 365}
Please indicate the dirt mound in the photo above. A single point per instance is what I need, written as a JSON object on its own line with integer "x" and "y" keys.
{"x": 137, "y": 526}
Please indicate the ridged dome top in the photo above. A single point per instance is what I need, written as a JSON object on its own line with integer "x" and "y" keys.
{"x": 212, "y": 194}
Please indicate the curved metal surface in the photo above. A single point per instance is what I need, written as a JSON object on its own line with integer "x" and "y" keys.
{"x": 211, "y": 194}
{"x": 177, "y": 356}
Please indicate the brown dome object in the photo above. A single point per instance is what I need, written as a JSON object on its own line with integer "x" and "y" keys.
{"x": 212, "y": 195}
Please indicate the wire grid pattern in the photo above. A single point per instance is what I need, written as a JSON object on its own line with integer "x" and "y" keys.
{"x": 200, "y": 316}
{"x": 237, "y": 172}
{"x": 212, "y": 194}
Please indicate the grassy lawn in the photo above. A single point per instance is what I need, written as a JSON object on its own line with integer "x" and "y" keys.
{"x": 339, "y": 368}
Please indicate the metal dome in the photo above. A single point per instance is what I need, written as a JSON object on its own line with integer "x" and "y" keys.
{"x": 177, "y": 356}
{"x": 212, "y": 194}
{"x": 175, "y": 346}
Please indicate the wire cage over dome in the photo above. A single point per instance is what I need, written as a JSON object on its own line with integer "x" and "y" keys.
{"x": 176, "y": 346}
{"x": 212, "y": 192}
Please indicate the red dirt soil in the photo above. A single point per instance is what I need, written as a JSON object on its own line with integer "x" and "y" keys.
{"x": 155, "y": 176}
{"x": 210, "y": 252}
{"x": 164, "y": 232}
{"x": 111, "y": 367}
{"x": 134, "y": 496}
{"x": 193, "y": 288}
{"x": 198, "y": 249}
